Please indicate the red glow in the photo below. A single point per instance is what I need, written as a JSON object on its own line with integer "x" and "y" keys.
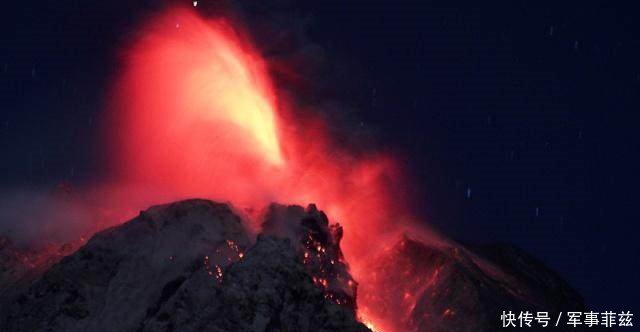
{"x": 195, "y": 115}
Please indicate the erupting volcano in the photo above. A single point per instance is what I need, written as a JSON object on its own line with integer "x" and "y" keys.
{"x": 194, "y": 116}
{"x": 194, "y": 113}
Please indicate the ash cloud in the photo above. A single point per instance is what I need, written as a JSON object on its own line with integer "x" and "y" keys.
{"x": 36, "y": 217}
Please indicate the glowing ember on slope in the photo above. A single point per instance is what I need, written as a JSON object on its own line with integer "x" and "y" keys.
{"x": 194, "y": 114}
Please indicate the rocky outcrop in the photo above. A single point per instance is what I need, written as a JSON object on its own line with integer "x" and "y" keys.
{"x": 317, "y": 245}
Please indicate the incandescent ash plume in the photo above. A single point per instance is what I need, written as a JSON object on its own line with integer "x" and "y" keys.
{"x": 194, "y": 113}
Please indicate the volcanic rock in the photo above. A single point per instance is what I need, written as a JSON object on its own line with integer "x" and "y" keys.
{"x": 421, "y": 287}
{"x": 317, "y": 244}
{"x": 185, "y": 266}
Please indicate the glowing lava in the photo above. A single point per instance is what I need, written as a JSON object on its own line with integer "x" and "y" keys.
{"x": 194, "y": 114}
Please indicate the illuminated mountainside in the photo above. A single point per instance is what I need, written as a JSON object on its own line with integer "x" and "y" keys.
{"x": 422, "y": 287}
{"x": 188, "y": 266}
{"x": 193, "y": 266}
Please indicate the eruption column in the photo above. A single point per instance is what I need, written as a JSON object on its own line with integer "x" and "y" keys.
{"x": 194, "y": 113}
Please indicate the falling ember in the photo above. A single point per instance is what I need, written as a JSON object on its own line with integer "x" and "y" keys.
{"x": 194, "y": 114}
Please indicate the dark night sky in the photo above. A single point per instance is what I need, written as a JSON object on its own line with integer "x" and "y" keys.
{"x": 529, "y": 108}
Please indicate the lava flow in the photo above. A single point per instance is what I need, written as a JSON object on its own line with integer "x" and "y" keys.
{"x": 195, "y": 114}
